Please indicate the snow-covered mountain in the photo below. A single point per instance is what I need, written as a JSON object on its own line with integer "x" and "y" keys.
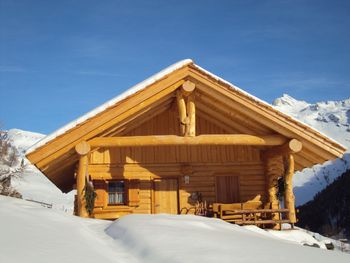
{"x": 332, "y": 118}
{"x": 31, "y": 183}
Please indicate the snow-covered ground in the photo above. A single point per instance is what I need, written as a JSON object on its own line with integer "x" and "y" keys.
{"x": 31, "y": 233}
{"x": 331, "y": 118}
{"x": 32, "y": 184}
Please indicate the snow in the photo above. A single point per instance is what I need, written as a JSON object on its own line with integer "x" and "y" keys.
{"x": 333, "y": 119}
{"x": 32, "y": 184}
{"x": 31, "y": 233}
{"x": 111, "y": 102}
{"x": 22, "y": 140}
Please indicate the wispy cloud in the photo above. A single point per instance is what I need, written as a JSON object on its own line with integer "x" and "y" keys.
{"x": 8, "y": 68}
{"x": 307, "y": 83}
{"x": 97, "y": 73}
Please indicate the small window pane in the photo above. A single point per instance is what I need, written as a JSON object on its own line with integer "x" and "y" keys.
{"x": 116, "y": 192}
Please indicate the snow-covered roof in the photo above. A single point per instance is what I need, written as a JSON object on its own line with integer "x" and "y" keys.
{"x": 153, "y": 79}
{"x": 110, "y": 103}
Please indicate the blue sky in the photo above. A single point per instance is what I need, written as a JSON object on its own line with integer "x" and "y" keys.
{"x": 60, "y": 59}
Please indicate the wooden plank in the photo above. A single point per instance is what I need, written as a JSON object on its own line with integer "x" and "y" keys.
{"x": 210, "y": 139}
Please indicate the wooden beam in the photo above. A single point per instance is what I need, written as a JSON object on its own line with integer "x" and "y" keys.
{"x": 182, "y": 112}
{"x": 289, "y": 199}
{"x": 168, "y": 140}
{"x": 191, "y": 114}
{"x": 82, "y": 148}
{"x": 293, "y": 146}
{"x": 187, "y": 88}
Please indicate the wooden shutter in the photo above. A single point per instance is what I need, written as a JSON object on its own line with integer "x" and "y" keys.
{"x": 227, "y": 189}
{"x": 134, "y": 192}
{"x": 100, "y": 187}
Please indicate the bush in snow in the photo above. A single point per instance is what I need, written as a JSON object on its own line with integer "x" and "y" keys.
{"x": 10, "y": 165}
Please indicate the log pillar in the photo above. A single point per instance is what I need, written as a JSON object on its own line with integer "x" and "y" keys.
{"x": 187, "y": 109}
{"x": 289, "y": 198}
{"x": 83, "y": 149}
{"x": 191, "y": 112}
{"x": 181, "y": 104}
{"x": 274, "y": 170}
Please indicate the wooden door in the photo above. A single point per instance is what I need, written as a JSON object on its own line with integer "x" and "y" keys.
{"x": 166, "y": 196}
{"x": 227, "y": 189}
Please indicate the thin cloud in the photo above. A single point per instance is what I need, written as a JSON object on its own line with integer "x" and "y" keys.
{"x": 309, "y": 83}
{"x": 7, "y": 68}
{"x": 97, "y": 73}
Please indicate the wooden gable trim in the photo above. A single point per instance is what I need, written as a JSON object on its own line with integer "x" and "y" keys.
{"x": 205, "y": 139}
{"x": 94, "y": 126}
{"x": 258, "y": 112}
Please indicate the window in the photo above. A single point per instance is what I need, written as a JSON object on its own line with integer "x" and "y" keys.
{"x": 116, "y": 193}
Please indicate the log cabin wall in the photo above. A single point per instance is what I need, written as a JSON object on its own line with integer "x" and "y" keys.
{"x": 202, "y": 164}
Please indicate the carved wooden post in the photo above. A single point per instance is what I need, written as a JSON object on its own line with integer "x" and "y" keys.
{"x": 187, "y": 110}
{"x": 286, "y": 151}
{"x": 274, "y": 169}
{"x": 83, "y": 149}
{"x": 191, "y": 112}
{"x": 289, "y": 199}
{"x": 273, "y": 172}
{"x": 182, "y": 112}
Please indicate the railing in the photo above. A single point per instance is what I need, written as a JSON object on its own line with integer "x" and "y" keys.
{"x": 47, "y": 205}
{"x": 263, "y": 217}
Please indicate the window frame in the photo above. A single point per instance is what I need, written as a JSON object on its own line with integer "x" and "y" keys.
{"x": 124, "y": 193}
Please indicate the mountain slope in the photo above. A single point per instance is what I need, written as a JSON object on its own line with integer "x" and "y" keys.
{"x": 331, "y": 118}
{"x": 329, "y": 212}
{"x": 31, "y": 183}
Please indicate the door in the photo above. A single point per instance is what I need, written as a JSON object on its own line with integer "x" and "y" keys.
{"x": 166, "y": 196}
{"x": 227, "y": 189}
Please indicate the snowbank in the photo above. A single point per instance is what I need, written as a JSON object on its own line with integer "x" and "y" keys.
{"x": 31, "y": 233}
{"x": 170, "y": 238}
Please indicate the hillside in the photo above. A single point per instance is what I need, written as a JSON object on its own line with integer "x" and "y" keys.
{"x": 331, "y": 118}
{"x": 329, "y": 212}
{"x": 31, "y": 233}
{"x": 31, "y": 183}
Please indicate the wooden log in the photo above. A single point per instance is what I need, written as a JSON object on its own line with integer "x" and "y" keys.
{"x": 191, "y": 112}
{"x": 182, "y": 112}
{"x": 82, "y": 148}
{"x": 273, "y": 171}
{"x": 289, "y": 199}
{"x": 81, "y": 179}
{"x": 187, "y": 88}
{"x": 293, "y": 146}
{"x": 168, "y": 140}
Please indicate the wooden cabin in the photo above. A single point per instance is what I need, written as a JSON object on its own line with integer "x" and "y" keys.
{"x": 181, "y": 137}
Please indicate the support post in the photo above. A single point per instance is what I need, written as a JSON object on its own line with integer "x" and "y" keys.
{"x": 187, "y": 110}
{"x": 274, "y": 169}
{"x": 191, "y": 112}
{"x": 289, "y": 199}
{"x": 292, "y": 146}
{"x": 83, "y": 149}
{"x": 182, "y": 112}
